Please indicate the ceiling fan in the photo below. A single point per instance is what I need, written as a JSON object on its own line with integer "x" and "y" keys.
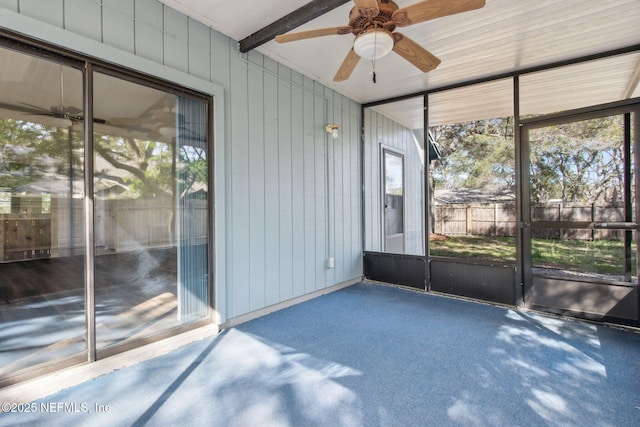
{"x": 162, "y": 111}
{"x": 156, "y": 122}
{"x": 373, "y": 23}
{"x": 62, "y": 116}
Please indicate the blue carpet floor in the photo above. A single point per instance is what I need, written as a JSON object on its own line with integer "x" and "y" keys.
{"x": 372, "y": 355}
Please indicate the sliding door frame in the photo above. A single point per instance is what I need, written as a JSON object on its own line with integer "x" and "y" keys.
{"x": 88, "y": 66}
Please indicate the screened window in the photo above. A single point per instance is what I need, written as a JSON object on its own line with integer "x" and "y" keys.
{"x": 474, "y": 208}
{"x": 394, "y": 178}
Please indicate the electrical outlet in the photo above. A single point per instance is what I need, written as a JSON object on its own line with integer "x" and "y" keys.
{"x": 330, "y": 263}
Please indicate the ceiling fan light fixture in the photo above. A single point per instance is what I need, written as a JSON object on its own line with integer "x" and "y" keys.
{"x": 373, "y": 44}
{"x": 168, "y": 131}
{"x": 62, "y": 122}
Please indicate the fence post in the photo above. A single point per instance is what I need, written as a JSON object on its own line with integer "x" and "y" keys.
{"x": 560, "y": 212}
{"x": 593, "y": 218}
{"x": 469, "y": 220}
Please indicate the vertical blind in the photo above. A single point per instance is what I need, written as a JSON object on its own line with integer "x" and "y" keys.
{"x": 192, "y": 195}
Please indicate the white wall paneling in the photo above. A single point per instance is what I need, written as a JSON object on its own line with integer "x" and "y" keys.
{"x": 287, "y": 214}
{"x": 383, "y": 132}
{"x": 46, "y": 11}
{"x": 83, "y": 17}
{"x": 9, "y": 4}
{"x": 148, "y": 26}
{"x": 176, "y": 40}
{"x": 116, "y": 28}
{"x": 199, "y": 50}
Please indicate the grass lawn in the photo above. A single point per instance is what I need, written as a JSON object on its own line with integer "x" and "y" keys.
{"x": 599, "y": 256}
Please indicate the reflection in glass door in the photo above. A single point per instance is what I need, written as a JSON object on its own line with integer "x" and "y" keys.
{"x": 394, "y": 202}
{"x": 105, "y": 241}
{"x": 151, "y": 207}
{"x": 42, "y": 305}
{"x": 579, "y": 214}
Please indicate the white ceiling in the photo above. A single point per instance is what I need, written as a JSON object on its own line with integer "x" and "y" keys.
{"x": 503, "y": 37}
{"x": 559, "y": 89}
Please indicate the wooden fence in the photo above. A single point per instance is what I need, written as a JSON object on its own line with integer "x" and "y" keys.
{"x": 119, "y": 225}
{"x": 499, "y": 219}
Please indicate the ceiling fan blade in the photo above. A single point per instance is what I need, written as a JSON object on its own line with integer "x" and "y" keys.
{"x": 162, "y": 116}
{"x": 155, "y": 116}
{"x": 126, "y": 121}
{"x": 347, "y": 67}
{"x": 319, "y": 32}
{"x": 414, "y": 53}
{"x": 31, "y": 110}
{"x": 36, "y": 109}
{"x": 367, "y": 8}
{"x": 432, "y": 9}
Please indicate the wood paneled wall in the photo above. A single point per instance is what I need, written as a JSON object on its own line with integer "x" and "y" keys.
{"x": 291, "y": 196}
{"x": 383, "y": 132}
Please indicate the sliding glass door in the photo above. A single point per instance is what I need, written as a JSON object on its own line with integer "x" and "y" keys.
{"x": 150, "y": 190}
{"x": 104, "y": 236}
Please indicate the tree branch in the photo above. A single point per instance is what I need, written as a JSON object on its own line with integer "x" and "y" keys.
{"x": 119, "y": 165}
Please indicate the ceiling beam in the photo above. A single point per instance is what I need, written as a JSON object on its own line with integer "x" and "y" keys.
{"x": 293, "y": 20}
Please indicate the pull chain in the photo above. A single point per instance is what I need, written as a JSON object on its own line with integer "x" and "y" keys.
{"x": 375, "y": 47}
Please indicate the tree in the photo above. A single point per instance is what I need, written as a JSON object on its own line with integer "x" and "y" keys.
{"x": 30, "y": 152}
{"x": 21, "y": 152}
{"x": 145, "y": 164}
{"x": 578, "y": 162}
{"x": 478, "y": 154}
{"x": 194, "y": 168}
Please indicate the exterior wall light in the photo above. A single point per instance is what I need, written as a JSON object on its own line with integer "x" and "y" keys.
{"x": 332, "y": 130}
